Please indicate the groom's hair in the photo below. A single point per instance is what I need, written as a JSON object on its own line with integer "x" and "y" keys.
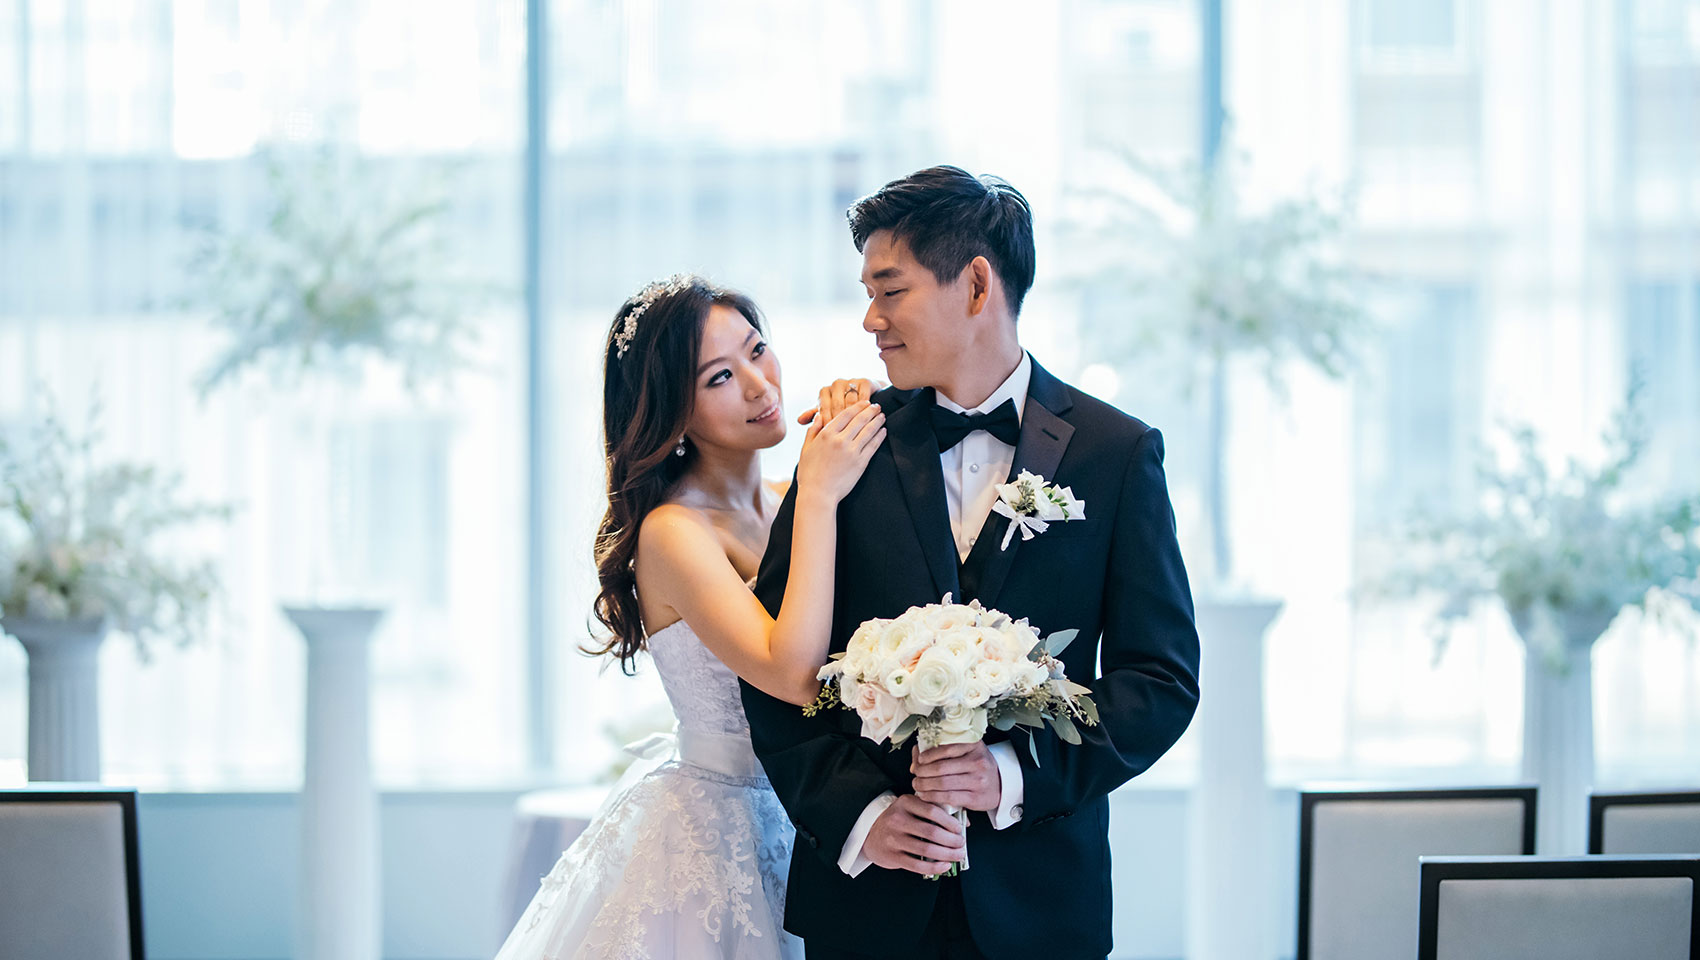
{"x": 947, "y": 217}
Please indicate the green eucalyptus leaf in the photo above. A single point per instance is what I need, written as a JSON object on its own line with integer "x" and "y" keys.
{"x": 1065, "y": 729}
{"x": 1057, "y": 642}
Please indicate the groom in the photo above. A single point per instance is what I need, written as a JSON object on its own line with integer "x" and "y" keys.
{"x": 946, "y": 260}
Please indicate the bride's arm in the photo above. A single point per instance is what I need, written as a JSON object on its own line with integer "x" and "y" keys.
{"x": 778, "y": 655}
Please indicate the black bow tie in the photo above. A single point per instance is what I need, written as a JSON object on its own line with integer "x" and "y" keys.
{"x": 950, "y": 427}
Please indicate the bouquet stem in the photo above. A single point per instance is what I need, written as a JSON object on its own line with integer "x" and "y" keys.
{"x": 961, "y": 816}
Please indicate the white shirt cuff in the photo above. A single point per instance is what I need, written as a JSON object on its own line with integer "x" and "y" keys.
{"x": 1008, "y": 813}
{"x": 850, "y": 859}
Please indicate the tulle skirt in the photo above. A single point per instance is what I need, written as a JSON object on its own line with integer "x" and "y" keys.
{"x": 686, "y": 859}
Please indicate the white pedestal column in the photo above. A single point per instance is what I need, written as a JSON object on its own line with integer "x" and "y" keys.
{"x": 1558, "y": 722}
{"x": 64, "y": 695}
{"x": 1558, "y": 749}
{"x": 340, "y": 916}
{"x": 1228, "y": 897}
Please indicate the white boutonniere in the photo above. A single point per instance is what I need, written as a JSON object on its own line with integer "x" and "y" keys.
{"x": 1032, "y": 505}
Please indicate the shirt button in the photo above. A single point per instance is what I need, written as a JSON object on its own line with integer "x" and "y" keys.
{"x": 973, "y": 468}
{"x": 973, "y": 540}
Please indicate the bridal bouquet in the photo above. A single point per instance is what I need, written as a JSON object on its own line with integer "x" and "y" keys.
{"x": 946, "y": 672}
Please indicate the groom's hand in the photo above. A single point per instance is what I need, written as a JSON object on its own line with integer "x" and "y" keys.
{"x": 917, "y": 836}
{"x": 959, "y": 775}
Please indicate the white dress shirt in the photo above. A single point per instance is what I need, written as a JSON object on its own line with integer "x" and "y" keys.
{"x": 972, "y": 470}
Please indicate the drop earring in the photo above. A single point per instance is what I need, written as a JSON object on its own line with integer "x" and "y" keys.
{"x": 679, "y": 450}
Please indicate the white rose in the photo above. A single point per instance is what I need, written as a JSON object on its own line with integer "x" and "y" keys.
{"x": 849, "y": 689}
{"x": 1012, "y": 642}
{"x": 866, "y": 636}
{"x": 890, "y": 639}
{"x": 961, "y": 724}
{"x": 958, "y": 643}
{"x": 1031, "y": 676}
{"x": 880, "y": 712}
{"x": 941, "y": 617}
{"x": 909, "y": 654}
{"x": 975, "y": 692}
{"x": 994, "y": 675}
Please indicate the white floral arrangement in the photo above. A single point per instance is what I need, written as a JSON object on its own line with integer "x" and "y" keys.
{"x": 946, "y": 672}
{"x": 1556, "y": 546}
{"x": 79, "y": 541}
{"x": 350, "y": 266}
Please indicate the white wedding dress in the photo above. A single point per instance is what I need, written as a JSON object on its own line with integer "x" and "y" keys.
{"x": 687, "y": 857}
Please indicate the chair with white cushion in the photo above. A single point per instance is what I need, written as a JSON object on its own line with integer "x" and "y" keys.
{"x": 1358, "y": 852}
{"x": 1559, "y": 908}
{"x": 1666, "y": 822}
{"x": 70, "y": 883}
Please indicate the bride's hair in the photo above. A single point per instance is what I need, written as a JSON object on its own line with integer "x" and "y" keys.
{"x": 648, "y": 388}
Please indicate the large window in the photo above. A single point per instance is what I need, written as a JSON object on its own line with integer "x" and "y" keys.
{"x": 128, "y": 132}
{"x": 1523, "y": 179}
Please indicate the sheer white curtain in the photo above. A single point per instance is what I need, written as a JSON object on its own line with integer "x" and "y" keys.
{"x": 127, "y": 130}
{"x": 1526, "y": 188}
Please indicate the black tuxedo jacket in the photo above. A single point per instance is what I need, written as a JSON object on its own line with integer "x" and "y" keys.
{"x": 1042, "y": 886}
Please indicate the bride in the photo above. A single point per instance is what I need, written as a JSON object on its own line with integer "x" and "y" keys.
{"x": 687, "y": 856}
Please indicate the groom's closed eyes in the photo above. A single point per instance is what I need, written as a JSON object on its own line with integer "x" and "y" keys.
{"x": 890, "y": 278}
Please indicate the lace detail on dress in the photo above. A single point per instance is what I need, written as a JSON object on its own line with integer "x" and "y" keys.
{"x": 678, "y": 846}
{"x": 683, "y": 860}
{"x": 703, "y": 691}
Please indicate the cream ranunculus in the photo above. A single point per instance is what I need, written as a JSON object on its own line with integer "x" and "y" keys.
{"x": 938, "y": 679}
{"x": 897, "y": 681}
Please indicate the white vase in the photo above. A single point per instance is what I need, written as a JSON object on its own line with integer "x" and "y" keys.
{"x": 1228, "y": 866}
{"x": 1558, "y": 729}
{"x": 64, "y": 695}
{"x": 340, "y": 916}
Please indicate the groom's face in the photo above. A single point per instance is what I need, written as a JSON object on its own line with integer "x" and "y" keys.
{"x": 918, "y": 323}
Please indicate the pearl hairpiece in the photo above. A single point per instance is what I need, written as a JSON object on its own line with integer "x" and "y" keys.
{"x": 655, "y": 290}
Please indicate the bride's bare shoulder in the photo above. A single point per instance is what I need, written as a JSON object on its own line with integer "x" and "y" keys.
{"x": 670, "y": 520}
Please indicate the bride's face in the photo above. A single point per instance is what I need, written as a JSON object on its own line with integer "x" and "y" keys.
{"x": 738, "y": 399}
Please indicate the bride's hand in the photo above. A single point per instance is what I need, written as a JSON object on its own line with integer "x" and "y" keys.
{"x": 839, "y": 394}
{"x": 836, "y": 451}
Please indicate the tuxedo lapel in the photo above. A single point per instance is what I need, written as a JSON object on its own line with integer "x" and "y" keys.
{"x": 1044, "y": 439}
{"x": 909, "y": 433}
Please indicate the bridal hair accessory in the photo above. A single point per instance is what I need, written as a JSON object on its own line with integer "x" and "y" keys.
{"x": 677, "y": 283}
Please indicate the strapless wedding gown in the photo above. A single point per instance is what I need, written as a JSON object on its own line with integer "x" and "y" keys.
{"x": 688, "y": 855}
